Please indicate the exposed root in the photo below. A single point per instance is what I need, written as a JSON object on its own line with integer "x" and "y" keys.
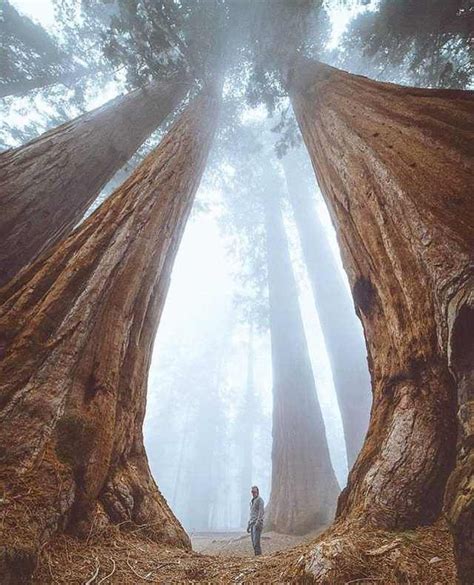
{"x": 355, "y": 554}
{"x": 94, "y": 576}
{"x": 109, "y": 575}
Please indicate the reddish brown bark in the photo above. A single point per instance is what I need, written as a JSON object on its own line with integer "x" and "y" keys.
{"x": 48, "y": 184}
{"x": 395, "y": 166}
{"x": 304, "y": 487}
{"x": 459, "y": 497}
{"x": 344, "y": 341}
{"x": 77, "y": 332}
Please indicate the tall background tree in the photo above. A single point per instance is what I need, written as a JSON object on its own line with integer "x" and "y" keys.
{"x": 303, "y": 482}
{"x": 342, "y": 332}
{"x": 304, "y": 486}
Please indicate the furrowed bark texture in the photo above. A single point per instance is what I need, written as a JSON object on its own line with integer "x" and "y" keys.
{"x": 304, "y": 486}
{"x": 343, "y": 337}
{"x": 48, "y": 184}
{"x": 459, "y": 497}
{"x": 395, "y": 166}
{"x": 77, "y": 332}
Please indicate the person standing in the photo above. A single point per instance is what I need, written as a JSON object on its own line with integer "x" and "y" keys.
{"x": 255, "y": 525}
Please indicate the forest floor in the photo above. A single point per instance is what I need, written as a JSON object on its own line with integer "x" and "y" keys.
{"x": 423, "y": 556}
{"x": 240, "y": 544}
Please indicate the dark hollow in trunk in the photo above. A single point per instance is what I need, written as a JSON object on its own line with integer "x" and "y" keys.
{"x": 459, "y": 498}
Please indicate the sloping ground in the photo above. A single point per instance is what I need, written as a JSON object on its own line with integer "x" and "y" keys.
{"x": 240, "y": 544}
{"x": 419, "y": 557}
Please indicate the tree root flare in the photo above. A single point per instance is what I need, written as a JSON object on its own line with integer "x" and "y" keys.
{"x": 346, "y": 554}
{"x": 351, "y": 553}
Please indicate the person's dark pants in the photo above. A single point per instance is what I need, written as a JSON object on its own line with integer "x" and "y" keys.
{"x": 256, "y": 533}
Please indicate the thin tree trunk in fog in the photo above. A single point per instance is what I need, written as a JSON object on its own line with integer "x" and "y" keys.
{"x": 67, "y": 78}
{"x": 77, "y": 332}
{"x": 246, "y": 431}
{"x": 342, "y": 335}
{"x": 182, "y": 448}
{"x": 48, "y": 184}
{"x": 23, "y": 86}
{"x": 208, "y": 430}
{"x": 304, "y": 487}
{"x": 395, "y": 166}
{"x": 203, "y": 491}
{"x": 26, "y": 34}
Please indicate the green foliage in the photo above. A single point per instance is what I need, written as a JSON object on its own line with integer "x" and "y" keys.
{"x": 427, "y": 41}
{"x": 28, "y": 52}
{"x": 281, "y": 30}
{"x": 288, "y": 133}
{"x": 45, "y": 79}
{"x": 154, "y": 39}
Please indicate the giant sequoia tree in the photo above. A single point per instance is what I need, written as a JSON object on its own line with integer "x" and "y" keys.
{"x": 344, "y": 344}
{"x": 77, "y": 330}
{"x": 48, "y": 184}
{"x": 304, "y": 486}
{"x": 395, "y": 167}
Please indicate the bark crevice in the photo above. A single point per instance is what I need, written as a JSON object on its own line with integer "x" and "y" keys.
{"x": 81, "y": 323}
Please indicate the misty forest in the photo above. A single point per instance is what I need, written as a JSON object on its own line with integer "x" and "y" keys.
{"x": 237, "y": 250}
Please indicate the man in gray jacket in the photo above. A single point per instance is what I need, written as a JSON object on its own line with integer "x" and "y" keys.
{"x": 255, "y": 525}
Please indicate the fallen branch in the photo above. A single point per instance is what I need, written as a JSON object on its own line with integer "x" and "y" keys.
{"x": 109, "y": 574}
{"x": 383, "y": 549}
{"x": 94, "y": 576}
{"x": 363, "y": 579}
{"x": 145, "y": 578}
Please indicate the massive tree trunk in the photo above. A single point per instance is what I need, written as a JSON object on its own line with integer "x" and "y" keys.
{"x": 459, "y": 497}
{"x": 48, "y": 184}
{"x": 395, "y": 166}
{"x": 77, "y": 331}
{"x": 342, "y": 332}
{"x": 304, "y": 486}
